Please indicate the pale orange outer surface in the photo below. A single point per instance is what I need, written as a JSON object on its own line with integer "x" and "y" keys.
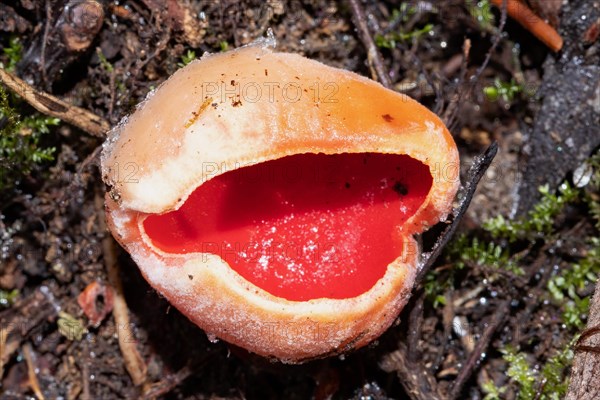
{"x": 241, "y": 108}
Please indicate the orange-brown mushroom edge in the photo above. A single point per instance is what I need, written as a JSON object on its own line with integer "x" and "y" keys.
{"x": 273, "y": 199}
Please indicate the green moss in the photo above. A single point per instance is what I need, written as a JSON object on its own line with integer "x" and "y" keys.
{"x": 592, "y": 197}
{"x": 492, "y": 392}
{"x": 520, "y": 372}
{"x": 554, "y": 373}
{"x": 7, "y": 299}
{"x": 565, "y": 285}
{"x": 539, "y": 222}
{"x": 595, "y": 211}
{"x": 435, "y": 284}
{"x": 475, "y": 252}
{"x": 506, "y": 91}
{"x": 13, "y": 53}
{"x": 390, "y": 40}
{"x": 106, "y": 65}
{"x": 464, "y": 251}
{"x": 110, "y": 69}
{"x": 187, "y": 58}
{"x": 20, "y": 152}
{"x": 223, "y": 45}
{"x": 547, "y": 383}
{"x": 403, "y": 14}
{"x": 550, "y": 380}
{"x": 481, "y": 11}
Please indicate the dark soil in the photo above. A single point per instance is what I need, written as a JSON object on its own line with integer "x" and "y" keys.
{"x": 114, "y": 52}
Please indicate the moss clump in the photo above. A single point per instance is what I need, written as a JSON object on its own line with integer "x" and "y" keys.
{"x": 187, "y": 58}
{"x": 503, "y": 250}
{"x": 592, "y": 197}
{"x": 403, "y": 15}
{"x": 540, "y": 221}
{"x": 477, "y": 252}
{"x": 20, "y": 151}
{"x": 8, "y": 298}
{"x": 507, "y": 91}
{"x": 481, "y": 11}
{"x": 465, "y": 252}
{"x": 13, "y": 53}
{"x": 550, "y": 382}
{"x": 495, "y": 256}
{"x": 565, "y": 286}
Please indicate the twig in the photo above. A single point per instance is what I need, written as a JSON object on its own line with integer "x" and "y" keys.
{"x": 452, "y": 110}
{"x": 19, "y": 321}
{"x": 538, "y": 270}
{"x": 495, "y": 43}
{"x": 417, "y": 382}
{"x": 478, "y": 168}
{"x": 112, "y": 83}
{"x": 85, "y": 372}
{"x": 45, "y": 41}
{"x": 373, "y": 56}
{"x": 115, "y": 386}
{"x": 134, "y": 364}
{"x": 94, "y": 159}
{"x": 171, "y": 381}
{"x": 161, "y": 45}
{"x": 475, "y": 356}
{"x": 415, "y": 326}
{"x": 50, "y": 105}
{"x": 34, "y": 384}
{"x": 590, "y": 349}
{"x": 534, "y": 24}
{"x": 448, "y": 314}
{"x": 586, "y": 334}
{"x": 166, "y": 384}
{"x": 534, "y": 269}
{"x": 439, "y": 99}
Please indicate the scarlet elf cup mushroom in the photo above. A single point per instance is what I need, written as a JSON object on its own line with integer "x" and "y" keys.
{"x": 274, "y": 200}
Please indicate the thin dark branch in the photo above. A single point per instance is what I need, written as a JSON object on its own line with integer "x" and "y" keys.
{"x": 589, "y": 349}
{"x": 44, "y": 42}
{"x": 497, "y": 38}
{"x": 423, "y": 385}
{"x": 415, "y": 328}
{"x": 475, "y": 356}
{"x": 451, "y": 113}
{"x": 373, "y": 55}
{"x": 171, "y": 381}
{"x": 437, "y": 88}
{"x": 586, "y": 334}
{"x": 417, "y": 382}
{"x": 478, "y": 168}
{"x": 589, "y": 332}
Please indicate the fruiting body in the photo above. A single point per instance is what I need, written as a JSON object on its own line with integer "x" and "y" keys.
{"x": 273, "y": 200}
